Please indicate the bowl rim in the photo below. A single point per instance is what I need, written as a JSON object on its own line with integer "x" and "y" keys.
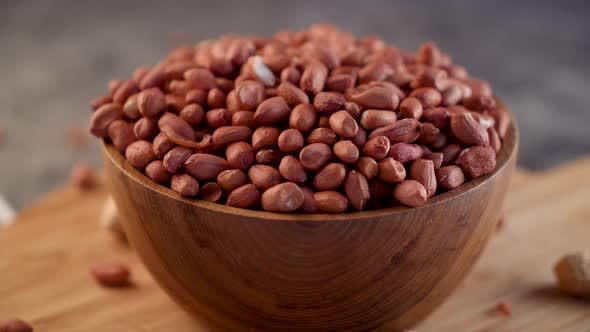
{"x": 508, "y": 150}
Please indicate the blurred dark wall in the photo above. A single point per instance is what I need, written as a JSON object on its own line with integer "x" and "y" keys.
{"x": 57, "y": 55}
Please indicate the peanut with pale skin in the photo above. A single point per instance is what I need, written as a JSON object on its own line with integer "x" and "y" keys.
{"x": 284, "y": 197}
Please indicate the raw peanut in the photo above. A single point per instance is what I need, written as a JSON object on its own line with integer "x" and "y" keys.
{"x": 103, "y": 117}
{"x": 231, "y": 102}
{"x": 438, "y": 116}
{"x": 199, "y": 78}
{"x": 184, "y": 184}
{"x": 151, "y": 102}
{"x": 429, "y": 77}
{"x": 357, "y": 190}
{"x": 437, "y": 159}
{"x": 265, "y": 137}
{"x": 121, "y": 134}
{"x": 428, "y": 54}
{"x": 175, "y": 70}
{"x": 341, "y": 82}
{"x": 216, "y": 98}
{"x": 308, "y": 201}
{"x": 98, "y": 102}
{"x": 360, "y": 139}
{"x": 196, "y": 96}
{"x": 15, "y": 325}
{"x": 573, "y": 274}
{"x": 272, "y": 111}
{"x": 229, "y": 134}
{"x": 245, "y": 196}
{"x": 391, "y": 170}
{"x": 314, "y": 78}
{"x": 322, "y": 135}
{"x": 343, "y": 124}
{"x": 203, "y": 166}
{"x": 346, "y": 151}
{"x": 250, "y": 94}
{"x": 153, "y": 78}
{"x": 404, "y": 152}
{"x": 83, "y": 176}
{"x": 376, "y": 71}
{"x": 217, "y": 118}
{"x": 467, "y": 130}
{"x": 272, "y": 92}
{"x": 315, "y": 155}
{"x": 324, "y": 122}
{"x": 451, "y": 95}
{"x": 211, "y": 192}
{"x": 175, "y": 103}
{"x": 179, "y": 88}
{"x": 428, "y": 97}
{"x": 330, "y": 201}
{"x": 291, "y": 75}
{"x": 450, "y": 153}
{"x": 330, "y": 177}
{"x": 348, "y": 70}
{"x": 368, "y": 167}
{"x": 232, "y": 179}
{"x": 239, "y": 155}
{"x": 411, "y": 108}
{"x": 411, "y": 193}
{"x": 292, "y": 94}
{"x": 328, "y": 102}
{"x": 303, "y": 117}
{"x": 504, "y": 308}
{"x": 264, "y": 176}
{"x": 267, "y": 156}
{"x": 477, "y": 161}
{"x": 426, "y": 152}
{"x": 291, "y": 169}
{"x": 456, "y": 71}
{"x": 262, "y": 73}
{"x": 175, "y": 158}
{"x": 450, "y": 177}
{"x": 429, "y": 133}
{"x": 124, "y": 91}
{"x": 401, "y": 78}
{"x": 145, "y": 128}
{"x": 243, "y": 118}
{"x": 502, "y": 121}
{"x": 170, "y": 122}
{"x": 276, "y": 62}
{"x": 377, "y": 97}
{"x": 377, "y": 147}
{"x": 290, "y": 141}
{"x": 192, "y": 114}
{"x": 457, "y": 109}
{"x": 439, "y": 141}
{"x": 113, "y": 85}
{"x": 388, "y": 85}
{"x": 284, "y": 197}
{"x": 479, "y": 103}
{"x": 353, "y": 109}
{"x": 239, "y": 51}
{"x": 156, "y": 171}
{"x": 422, "y": 170}
{"x": 224, "y": 84}
{"x": 403, "y": 131}
{"x": 162, "y": 144}
{"x": 373, "y": 119}
{"x": 140, "y": 153}
{"x": 110, "y": 274}
{"x": 131, "y": 109}
{"x": 495, "y": 142}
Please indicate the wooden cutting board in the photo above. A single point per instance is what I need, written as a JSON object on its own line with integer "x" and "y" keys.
{"x": 44, "y": 260}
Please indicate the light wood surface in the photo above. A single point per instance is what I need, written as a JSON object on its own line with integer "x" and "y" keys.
{"x": 44, "y": 261}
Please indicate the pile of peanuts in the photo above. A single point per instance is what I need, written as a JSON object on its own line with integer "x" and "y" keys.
{"x": 307, "y": 122}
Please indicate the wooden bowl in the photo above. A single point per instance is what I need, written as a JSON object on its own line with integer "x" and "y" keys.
{"x": 244, "y": 269}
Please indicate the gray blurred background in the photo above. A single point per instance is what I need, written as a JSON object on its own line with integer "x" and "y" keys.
{"x": 57, "y": 55}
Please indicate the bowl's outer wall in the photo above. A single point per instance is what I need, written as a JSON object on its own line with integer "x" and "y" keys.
{"x": 354, "y": 272}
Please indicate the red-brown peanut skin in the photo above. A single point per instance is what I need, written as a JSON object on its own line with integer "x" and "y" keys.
{"x": 303, "y": 117}
{"x": 203, "y": 166}
{"x": 110, "y": 274}
{"x": 315, "y": 155}
{"x": 156, "y": 171}
{"x": 231, "y": 179}
{"x": 410, "y": 193}
{"x": 184, "y": 184}
{"x": 330, "y": 201}
{"x": 103, "y": 117}
{"x": 240, "y": 155}
{"x": 121, "y": 134}
{"x": 284, "y": 197}
{"x": 175, "y": 158}
{"x": 140, "y": 153}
